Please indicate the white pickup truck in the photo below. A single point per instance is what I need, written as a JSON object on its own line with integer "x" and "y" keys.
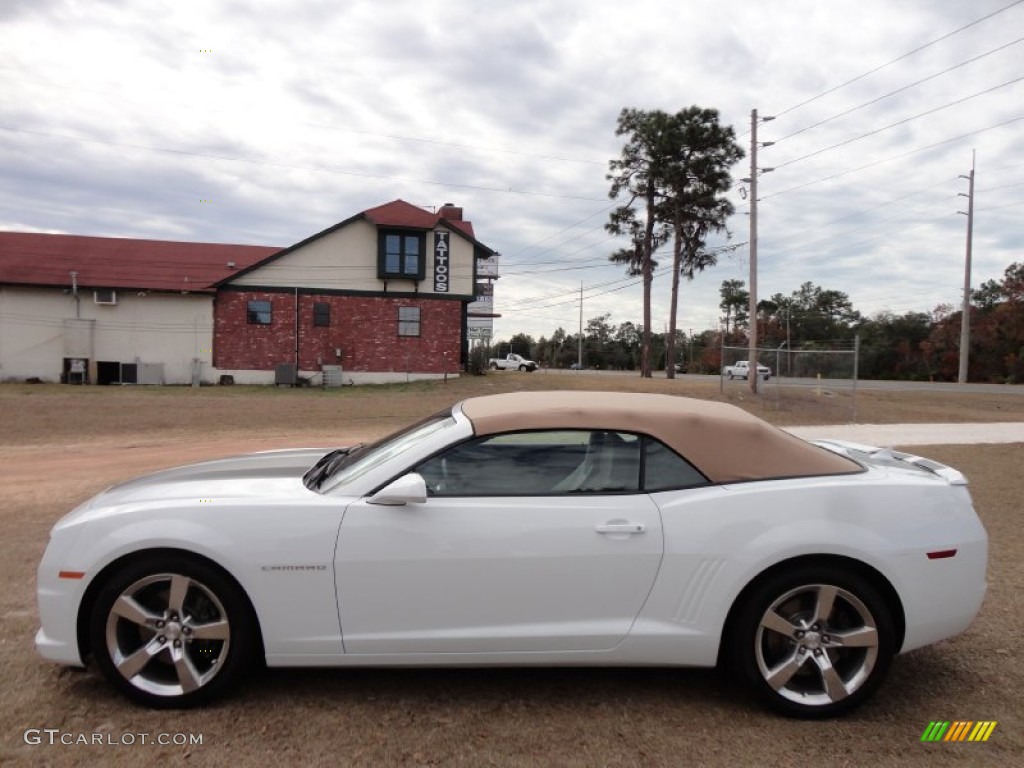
{"x": 512, "y": 363}
{"x": 741, "y": 370}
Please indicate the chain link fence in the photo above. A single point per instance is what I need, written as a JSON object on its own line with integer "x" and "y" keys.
{"x": 819, "y": 379}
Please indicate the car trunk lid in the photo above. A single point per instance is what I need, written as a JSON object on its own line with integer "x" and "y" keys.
{"x": 873, "y": 456}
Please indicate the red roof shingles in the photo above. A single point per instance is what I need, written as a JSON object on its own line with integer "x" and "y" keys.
{"x": 30, "y": 258}
{"x": 399, "y": 213}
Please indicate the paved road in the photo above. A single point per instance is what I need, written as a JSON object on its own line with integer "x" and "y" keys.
{"x": 915, "y": 434}
{"x": 840, "y": 384}
{"x": 904, "y": 386}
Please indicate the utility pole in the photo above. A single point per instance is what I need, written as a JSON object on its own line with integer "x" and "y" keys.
{"x": 579, "y": 361}
{"x": 965, "y": 315}
{"x": 74, "y": 292}
{"x": 789, "y": 349}
{"x": 754, "y": 170}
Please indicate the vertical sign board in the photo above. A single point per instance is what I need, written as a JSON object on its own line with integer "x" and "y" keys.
{"x": 442, "y": 270}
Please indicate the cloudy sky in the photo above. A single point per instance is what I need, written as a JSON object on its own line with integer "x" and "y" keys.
{"x": 264, "y": 121}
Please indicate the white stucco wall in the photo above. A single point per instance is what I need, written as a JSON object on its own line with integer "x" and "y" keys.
{"x": 152, "y": 328}
{"x": 346, "y": 259}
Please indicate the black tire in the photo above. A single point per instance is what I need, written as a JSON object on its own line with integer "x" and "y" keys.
{"x": 800, "y": 666}
{"x": 522, "y": 367}
{"x": 188, "y": 627}
{"x": 493, "y": 366}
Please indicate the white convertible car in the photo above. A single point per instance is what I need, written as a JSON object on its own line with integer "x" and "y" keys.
{"x": 553, "y": 528}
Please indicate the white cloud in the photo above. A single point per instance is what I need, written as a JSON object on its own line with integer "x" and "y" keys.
{"x": 119, "y": 117}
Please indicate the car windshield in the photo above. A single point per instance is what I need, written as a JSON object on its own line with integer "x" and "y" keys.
{"x": 328, "y": 464}
{"x": 347, "y": 464}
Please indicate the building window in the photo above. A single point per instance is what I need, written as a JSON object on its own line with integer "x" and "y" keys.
{"x": 321, "y": 313}
{"x": 408, "y": 321}
{"x": 400, "y": 254}
{"x": 258, "y": 313}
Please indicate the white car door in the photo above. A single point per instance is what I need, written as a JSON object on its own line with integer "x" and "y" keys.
{"x": 565, "y": 564}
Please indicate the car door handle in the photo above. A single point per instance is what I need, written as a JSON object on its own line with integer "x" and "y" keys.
{"x": 621, "y": 528}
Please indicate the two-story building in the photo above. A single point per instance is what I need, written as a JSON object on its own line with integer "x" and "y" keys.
{"x": 381, "y": 296}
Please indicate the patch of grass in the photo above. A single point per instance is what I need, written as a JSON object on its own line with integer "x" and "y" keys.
{"x": 59, "y": 445}
{"x": 57, "y": 413}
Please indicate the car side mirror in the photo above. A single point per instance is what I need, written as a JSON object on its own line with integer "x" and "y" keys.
{"x": 408, "y": 489}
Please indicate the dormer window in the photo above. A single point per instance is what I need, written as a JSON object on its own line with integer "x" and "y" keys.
{"x": 400, "y": 254}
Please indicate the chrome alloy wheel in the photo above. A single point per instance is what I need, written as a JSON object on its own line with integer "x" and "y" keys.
{"x": 167, "y": 634}
{"x": 816, "y": 644}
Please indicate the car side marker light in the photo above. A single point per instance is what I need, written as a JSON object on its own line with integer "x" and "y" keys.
{"x": 81, "y": 574}
{"x": 941, "y": 554}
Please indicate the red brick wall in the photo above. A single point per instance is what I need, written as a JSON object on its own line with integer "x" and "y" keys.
{"x": 365, "y": 328}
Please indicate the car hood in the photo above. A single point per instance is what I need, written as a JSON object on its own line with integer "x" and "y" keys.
{"x": 266, "y": 475}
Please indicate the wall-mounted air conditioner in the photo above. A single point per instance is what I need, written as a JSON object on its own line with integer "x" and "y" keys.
{"x": 105, "y": 296}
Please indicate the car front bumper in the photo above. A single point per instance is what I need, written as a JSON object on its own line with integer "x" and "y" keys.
{"x": 58, "y": 598}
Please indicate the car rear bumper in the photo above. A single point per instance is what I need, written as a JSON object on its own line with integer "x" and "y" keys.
{"x": 942, "y": 598}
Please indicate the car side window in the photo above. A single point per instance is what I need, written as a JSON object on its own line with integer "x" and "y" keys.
{"x": 537, "y": 463}
{"x": 665, "y": 470}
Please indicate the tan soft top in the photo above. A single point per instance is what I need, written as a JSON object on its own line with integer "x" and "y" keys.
{"x": 724, "y": 442}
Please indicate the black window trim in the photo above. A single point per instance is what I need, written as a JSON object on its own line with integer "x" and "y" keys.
{"x": 642, "y": 436}
{"x": 382, "y": 271}
{"x": 250, "y": 313}
{"x": 321, "y": 311}
{"x": 647, "y": 440}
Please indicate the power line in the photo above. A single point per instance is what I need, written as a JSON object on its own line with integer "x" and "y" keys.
{"x": 823, "y": 242}
{"x": 629, "y": 280}
{"x": 572, "y": 294}
{"x": 849, "y": 245}
{"x": 556, "y": 269}
{"x": 628, "y": 283}
{"x": 898, "y": 90}
{"x": 894, "y": 157}
{"x": 899, "y": 122}
{"x": 525, "y": 267}
{"x": 556, "y": 234}
{"x": 1002, "y": 186}
{"x": 897, "y": 59}
{"x": 1000, "y": 207}
{"x": 885, "y": 204}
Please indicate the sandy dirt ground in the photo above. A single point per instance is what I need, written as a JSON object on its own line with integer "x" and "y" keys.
{"x": 460, "y": 717}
